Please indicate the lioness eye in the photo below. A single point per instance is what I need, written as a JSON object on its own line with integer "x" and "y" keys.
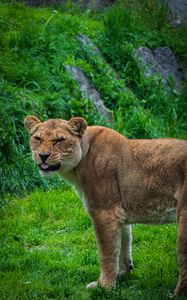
{"x": 60, "y": 140}
{"x": 37, "y": 138}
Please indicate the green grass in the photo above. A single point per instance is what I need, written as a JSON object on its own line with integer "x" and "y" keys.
{"x": 48, "y": 251}
{"x": 36, "y": 43}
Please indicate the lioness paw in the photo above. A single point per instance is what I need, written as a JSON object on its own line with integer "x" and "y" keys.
{"x": 92, "y": 285}
{"x": 125, "y": 267}
{"x": 101, "y": 284}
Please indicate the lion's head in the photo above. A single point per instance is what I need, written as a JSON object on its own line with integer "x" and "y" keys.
{"x": 55, "y": 143}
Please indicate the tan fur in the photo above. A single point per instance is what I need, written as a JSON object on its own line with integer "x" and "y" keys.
{"x": 121, "y": 182}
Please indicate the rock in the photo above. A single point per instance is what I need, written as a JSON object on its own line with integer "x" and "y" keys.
{"x": 88, "y": 91}
{"x": 170, "y": 65}
{"x": 85, "y": 40}
{"x": 96, "y": 4}
{"x": 146, "y": 60}
{"x": 178, "y": 10}
{"x": 161, "y": 61}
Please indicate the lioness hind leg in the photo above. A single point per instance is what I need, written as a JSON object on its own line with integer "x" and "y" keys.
{"x": 182, "y": 242}
{"x": 108, "y": 234}
{"x": 125, "y": 258}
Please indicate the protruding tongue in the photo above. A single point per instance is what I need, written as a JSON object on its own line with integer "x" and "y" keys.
{"x": 44, "y": 166}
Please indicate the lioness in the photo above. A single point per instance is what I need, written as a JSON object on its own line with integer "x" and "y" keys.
{"x": 120, "y": 181}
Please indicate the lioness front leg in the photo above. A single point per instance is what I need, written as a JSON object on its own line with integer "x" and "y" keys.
{"x": 108, "y": 234}
{"x": 125, "y": 258}
{"x": 182, "y": 242}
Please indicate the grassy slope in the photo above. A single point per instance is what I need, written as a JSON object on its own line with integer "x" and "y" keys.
{"x": 48, "y": 251}
{"x": 36, "y": 43}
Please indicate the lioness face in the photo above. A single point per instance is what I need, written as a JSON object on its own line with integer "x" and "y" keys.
{"x": 55, "y": 144}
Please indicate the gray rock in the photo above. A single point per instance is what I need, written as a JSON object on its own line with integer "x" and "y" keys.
{"x": 161, "y": 61}
{"x": 146, "y": 60}
{"x": 94, "y": 50}
{"x": 97, "y": 4}
{"x": 178, "y": 10}
{"x": 88, "y": 91}
{"x": 170, "y": 65}
{"x": 86, "y": 41}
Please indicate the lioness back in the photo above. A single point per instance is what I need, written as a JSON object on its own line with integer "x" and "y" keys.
{"x": 149, "y": 174}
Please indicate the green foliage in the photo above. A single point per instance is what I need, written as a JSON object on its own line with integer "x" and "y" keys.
{"x": 35, "y": 46}
{"x": 48, "y": 251}
{"x": 127, "y": 27}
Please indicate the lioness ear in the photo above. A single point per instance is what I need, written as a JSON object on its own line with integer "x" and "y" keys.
{"x": 30, "y": 122}
{"x": 78, "y": 126}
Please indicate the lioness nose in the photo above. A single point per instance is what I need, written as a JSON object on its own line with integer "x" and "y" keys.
{"x": 44, "y": 156}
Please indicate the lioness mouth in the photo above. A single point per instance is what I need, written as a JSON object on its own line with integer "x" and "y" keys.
{"x": 46, "y": 168}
